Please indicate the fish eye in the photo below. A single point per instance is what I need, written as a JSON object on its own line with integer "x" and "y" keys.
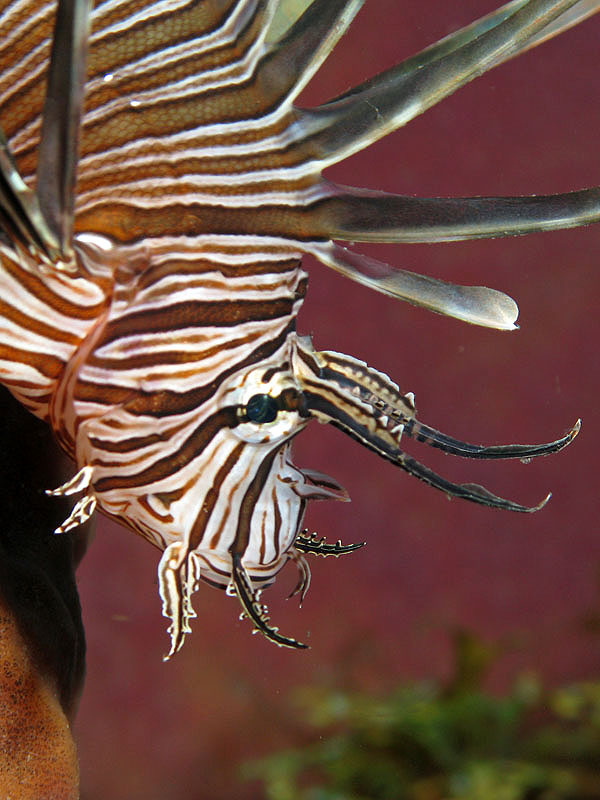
{"x": 262, "y": 408}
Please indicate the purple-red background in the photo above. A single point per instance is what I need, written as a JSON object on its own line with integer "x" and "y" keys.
{"x": 178, "y": 730}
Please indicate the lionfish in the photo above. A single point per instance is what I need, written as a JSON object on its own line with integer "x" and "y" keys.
{"x": 158, "y": 189}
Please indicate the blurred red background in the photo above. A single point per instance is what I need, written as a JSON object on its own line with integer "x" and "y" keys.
{"x": 148, "y": 729}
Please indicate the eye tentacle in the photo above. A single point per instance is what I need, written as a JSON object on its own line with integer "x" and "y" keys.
{"x": 254, "y": 609}
{"x": 466, "y": 491}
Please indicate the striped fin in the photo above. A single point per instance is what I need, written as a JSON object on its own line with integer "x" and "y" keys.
{"x": 202, "y": 133}
{"x": 25, "y": 44}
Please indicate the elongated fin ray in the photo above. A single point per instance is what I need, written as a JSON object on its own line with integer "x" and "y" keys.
{"x": 477, "y": 305}
{"x": 360, "y": 215}
{"x": 133, "y": 153}
{"x": 576, "y": 14}
{"x": 573, "y": 16}
{"x": 438, "y": 50}
{"x": 360, "y": 117}
{"x": 293, "y": 61}
{"x": 58, "y": 150}
{"x": 20, "y": 214}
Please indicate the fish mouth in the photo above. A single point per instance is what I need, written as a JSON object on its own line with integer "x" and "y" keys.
{"x": 365, "y": 404}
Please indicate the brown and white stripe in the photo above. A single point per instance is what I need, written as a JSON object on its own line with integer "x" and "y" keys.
{"x": 199, "y": 190}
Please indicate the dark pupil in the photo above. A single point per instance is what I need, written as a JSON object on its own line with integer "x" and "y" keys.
{"x": 262, "y": 408}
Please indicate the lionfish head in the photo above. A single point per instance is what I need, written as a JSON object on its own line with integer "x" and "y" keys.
{"x": 250, "y": 521}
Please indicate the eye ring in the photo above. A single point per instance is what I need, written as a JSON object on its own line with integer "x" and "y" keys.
{"x": 261, "y": 408}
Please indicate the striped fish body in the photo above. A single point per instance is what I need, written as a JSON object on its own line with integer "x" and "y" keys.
{"x": 152, "y": 322}
{"x": 167, "y": 335}
{"x": 46, "y": 315}
{"x": 155, "y": 408}
{"x": 144, "y": 391}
